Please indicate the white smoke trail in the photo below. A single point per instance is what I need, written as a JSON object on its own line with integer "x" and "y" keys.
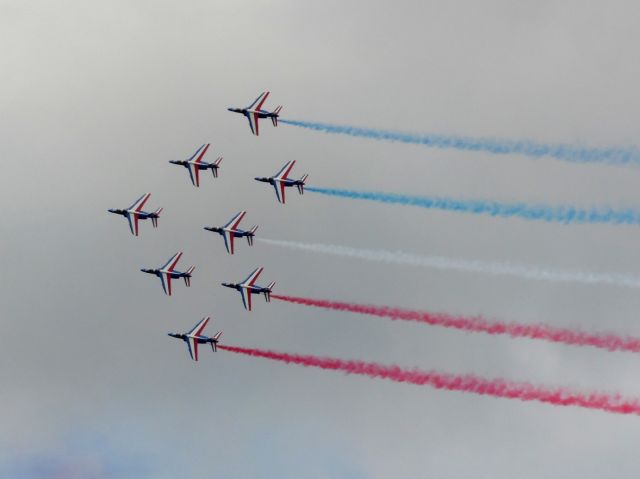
{"x": 475, "y": 266}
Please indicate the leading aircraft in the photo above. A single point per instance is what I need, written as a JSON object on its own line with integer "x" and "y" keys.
{"x": 254, "y": 112}
{"x": 195, "y": 164}
{"x": 195, "y": 337}
{"x": 280, "y": 181}
{"x": 248, "y": 286}
{"x": 167, "y": 272}
{"x": 231, "y": 231}
{"x": 134, "y": 213}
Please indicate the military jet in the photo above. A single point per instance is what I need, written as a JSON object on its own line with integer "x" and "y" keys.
{"x": 195, "y": 164}
{"x": 134, "y": 213}
{"x": 167, "y": 272}
{"x": 254, "y": 112}
{"x": 195, "y": 337}
{"x": 280, "y": 181}
{"x": 231, "y": 231}
{"x": 248, "y": 286}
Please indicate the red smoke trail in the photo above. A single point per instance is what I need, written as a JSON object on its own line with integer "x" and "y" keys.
{"x": 453, "y": 382}
{"x": 608, "y": 341}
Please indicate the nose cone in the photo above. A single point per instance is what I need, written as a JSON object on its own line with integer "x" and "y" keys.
{"x": 111, "y": 210}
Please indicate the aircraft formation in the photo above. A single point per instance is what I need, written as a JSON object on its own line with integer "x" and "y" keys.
{"x": 498, "y": 387}
{"x": 195, "y": 165}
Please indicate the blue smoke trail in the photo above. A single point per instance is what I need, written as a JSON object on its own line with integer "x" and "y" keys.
{"x": 611, "y": 155}
{"x": 558, "y": 214}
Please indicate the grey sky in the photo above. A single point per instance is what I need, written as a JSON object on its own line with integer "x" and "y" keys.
{"x": 96, "y": 97}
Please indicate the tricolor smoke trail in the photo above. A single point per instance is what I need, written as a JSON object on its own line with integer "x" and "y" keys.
{"x": 473, "y": 266}
{"x": 613, "y": 155}
{"x": 558, "y": 214}
{"x": 478, "y": 324}
{"x": 468, "y": 383}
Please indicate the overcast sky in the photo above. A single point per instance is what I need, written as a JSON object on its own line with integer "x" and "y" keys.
{"x": 97, "y": 97}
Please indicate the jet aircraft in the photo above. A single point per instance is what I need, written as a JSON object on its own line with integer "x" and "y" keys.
{"x": 195, "y": 337}
{"x": 167, "y": 272}
{"x": 231, "y": 231}
{"x": 195, "y": 164}
{"x": 280, "y": 181}
{"x": 134, "y": 213}
{"x": 248, "y": 286}
{"x": 254, "y": 112}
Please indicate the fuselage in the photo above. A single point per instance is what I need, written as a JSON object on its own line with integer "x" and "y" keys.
{"x": 201, "y": 165}
{"x": 253, "y": 289}
{"x": 200, "y": 339}
{"x": 237, "y": 233}
{"x": 247, "y": 112}
{"x": 273, "y": 181}
{"x": 174, "y": 274}
{"x": 142, "y": 215}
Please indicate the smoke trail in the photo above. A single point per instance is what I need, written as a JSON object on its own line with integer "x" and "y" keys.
{"x": 478, "y": 324}
{"x": 612, "y": 155}
{"x": 468, "y": 383}
{"x": 558, "y": 214}
{"x": 444, "y": 263}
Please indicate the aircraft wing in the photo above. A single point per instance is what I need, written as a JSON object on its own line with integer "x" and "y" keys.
{"x": 171, "y": 264}
{"x": 235, "y": 221}
{"x": 258, "y": 102}
{"x": 194, "y": 171}
{"x": 193, "y": 174}
{"x": 228, "y": 240}
{"x": 192, "y": 343}
{"x": 251, "y": 279}
{"x": 198, "y": 328}
{"x": 165, "y": 279}
{"x": 285, "y": 170}
{"x": 196, "y": 153}
{"x": 246, "y": 298}
{"x": 137, "y": 206}
{"x": 133, "y": 223}
{"x": 201, "y": 154}
{"x": 279, "y": 186}
{"x": 166, "y": 270}
{"x": 253, "y": 123}
{"x": 227, "y": 231}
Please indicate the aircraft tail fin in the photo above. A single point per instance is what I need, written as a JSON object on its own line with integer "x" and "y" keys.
{"x": 250, "y": 236}
{"x": 216, "y": 165}
{"x": 214, "y": 345}
{"x": 276, "y": 112}
{"x": 267, "y": 294}
{"x": 187, "y": 277}
{"x": 301, "y": 183}
{"x": 154, "y": 217}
